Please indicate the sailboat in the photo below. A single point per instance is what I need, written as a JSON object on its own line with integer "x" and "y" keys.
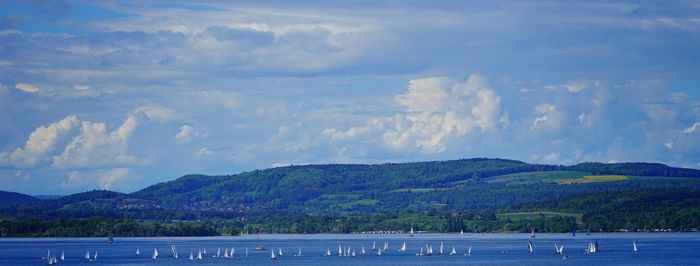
{"x": 233, "y": 251}
{"x": 533, "y": 233}
{"x": 379, "y": 252}
{"x": 340, "y": 250}
{"x": 191, "y": 257}
{"x": 374, "y": 246}
{"x": 530, "y": 249}
{"x": 441, "y": 248}
{"x": 279, "y": 251}
{"x": 259, "y": 247}
{"x": 347, "y": 252}
{"x": 94, "y": 257}
{"x": 453, "y": 252}
{"x": 298, "y": 253}
{"x": 592, "y": 248}
{"x": 272, "y": 255}
{"x": 63, "y": 255}
{"x": 138, "y": 252}
{"x": 461, "y": 232}
{"x": 218, "y": 253}
{"x": 411, "y": 235}
{"x": 204, "y": 251}
{"x": 199, "y": 254}
{"x": 174, "y": 252}
{"x": 634, "y": 247}
{"x": 403, "y": 247}
{"x": 386, "y": 246}
{"x": 362, "y": 251}
{"x": 428, "y": 250}
{"x": 226, "y": 253}
{"x": 155, "y": 254}
{"x": 49, "y": 260}
{"x": 469, "y": 251}
{"x": 558, "y": 249}
{"x": 420, "y": 253}
{"x": 328, "y": 252}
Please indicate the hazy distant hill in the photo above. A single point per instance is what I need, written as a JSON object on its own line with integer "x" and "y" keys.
{"x": 13, "y": 199}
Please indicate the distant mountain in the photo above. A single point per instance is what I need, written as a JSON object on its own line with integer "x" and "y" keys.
{"x": 339, "y": 189}
{"x": 10, "y": 200}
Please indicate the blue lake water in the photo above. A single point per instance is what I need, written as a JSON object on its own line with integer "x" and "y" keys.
{"x": 487, "y": 249}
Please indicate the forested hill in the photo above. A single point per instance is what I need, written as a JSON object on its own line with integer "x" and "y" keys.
{"x": 339, "y": 189}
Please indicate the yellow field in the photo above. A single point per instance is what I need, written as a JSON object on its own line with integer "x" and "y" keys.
{"x": 592, "y": 178}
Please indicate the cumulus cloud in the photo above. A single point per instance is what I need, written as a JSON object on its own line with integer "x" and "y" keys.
{"x": 546, "y": 114}
{"x": 692, "y": 128}
{"x": 40, "y": 142}
{"x": 187, "y": 133}
{"x": 155, "y": 112}
{"x": 29, "y": 88}
{"x": 103, "y": 178}
{"x": 96, "y": 147}
{"x": 435, "y": 110}
{"x": 202, "y": 152}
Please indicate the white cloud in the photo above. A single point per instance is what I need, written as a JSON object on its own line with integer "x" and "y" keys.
{"x": 203, "y": 152}
{"x": 29, "y": 88}
{"x": 546, "y": 114}
{"x": 575, "y": 86}
{"x": 188, "y": 133}
{"x": 155, "y": 112}
{"x": 39, "y": 143}
{"x": 96, "y": 147}
{"x": 692, "y": 128}
{"x": 436, "y": 110}
{"x": 108, "y": 179}
{"x": 104, "y": 178}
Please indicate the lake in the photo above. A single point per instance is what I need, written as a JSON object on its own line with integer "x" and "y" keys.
{"x": 487, "y": 249}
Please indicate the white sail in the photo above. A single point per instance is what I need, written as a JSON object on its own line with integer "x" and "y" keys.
{"x": 49, "y": 260}
{"x": 138, "y": 252}
{"x": 353, "y": 253}
{"x": 461, "y": 232}
{"x": 94, "y": 257}
{"x": 556, "y": 248}
{"x": 218, "y": 253}
{"x": 634, "y": 246}
{"x": 173, "y": 250}
{"x": 63, "y": 256}
{"x": 155, "y": 254}
{"x": 233, "y": 251}
{"x": 469, "y": 250}
{"x": 362, "y": 251}
{"x": 298, "y": 253}
{"x": 386, "y": 246}
{"x": 226, "y": 253}
{"x": 87, "y": 255}
{"x": 199, "y": 254}
{"x": 379, "y": 252}
{"x": 403, "y": 247}
{"x": 279, "y": 251}
{"x": 561, "y": 249}
{"x": 420, "y": 253}
{"x": 533, "y": 233}
{"x": 340, "y": 250}
{"x": 454, "y": 251}
{"x": 191, "y": 257}
{"x": 374, "y": 245}
{"x": 272, "y": 255}
{"x": 204, "y": 251}
{"x": 328, "y": 252}
{"x": 529, "y": 247}
{"x": 441, "y": 248}
{"x": 411, "y": 230}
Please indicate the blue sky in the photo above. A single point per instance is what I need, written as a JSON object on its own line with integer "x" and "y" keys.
{"x": 123, "y": 94}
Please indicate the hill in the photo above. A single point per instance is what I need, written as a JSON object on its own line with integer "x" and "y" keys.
{"x": 315, "y": 198}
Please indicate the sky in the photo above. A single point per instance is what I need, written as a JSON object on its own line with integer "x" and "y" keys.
{"x": 120, "y": 95}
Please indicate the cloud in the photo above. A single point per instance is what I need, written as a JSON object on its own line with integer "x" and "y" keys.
{"x": 103, "y": 178}
{"x": 28, "y": 88}
{"x": 95, "y": 147}
{"x": 692, "y": 128}
{"x": 155, "y": 112}
{"x": 40, "y": 142}
{"x": 435, "y": 111}
{"x": 203, "y": 152}
{"x": 187, "y": 133}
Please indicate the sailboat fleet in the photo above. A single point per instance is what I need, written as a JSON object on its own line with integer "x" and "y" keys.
{"x": 343, "y": 251}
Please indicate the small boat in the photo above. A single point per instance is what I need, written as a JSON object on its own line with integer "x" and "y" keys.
{"x": 63, "y": 256}
{"x": 204, "y": 251}
{"x": 173, "y": 251}
{"x": 558, "y": 249}
{"x": 379, "y": 252}
{"x": 94, "y": 256}
{"x": 328, "y": 252}
{"x": 272, "y": 255}
{"x": 533, "y": 233}
{"x": 461, "y": 232}
{"x": 155, "y": 254}
{"x": 87, "y": 255}
{"x": 353, "y": 253}
{"x": 453, "y": 252}
{"x": 199, "y": 254}
{"x": 340, "y": 250}
{"x": 138, "y": 252}
{"x": 347, "y": 252}
{"x": 403, "y": 247}
{"x": 428, "y": 250}
{"x": 279, "y": 251}
{"x": 469, "y": 251}
{"x": 592, "y": 248}
{"x": 386, "y": 246}
{"x": 374, "y": 246}
{"x": 233, "y": 252}
{"x": 191, "y": 256}
{"x": 411, "y": 235}
{"x": 218, "y": 253}
{"x": 362, "y": 251}
{"x": 226, "y": 253}
{"x": 420, "y": 252}
{"x": 441, "y": 248}
{"x": 530, "y": 249}
{"x": 298, "y": 253}
{"x": 634, "y": 247}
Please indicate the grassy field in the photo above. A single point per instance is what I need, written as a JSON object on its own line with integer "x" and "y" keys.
{"x": 592, "y": 178}
{"x": 535, "y": 177}
{"x": 515, "y": 216}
